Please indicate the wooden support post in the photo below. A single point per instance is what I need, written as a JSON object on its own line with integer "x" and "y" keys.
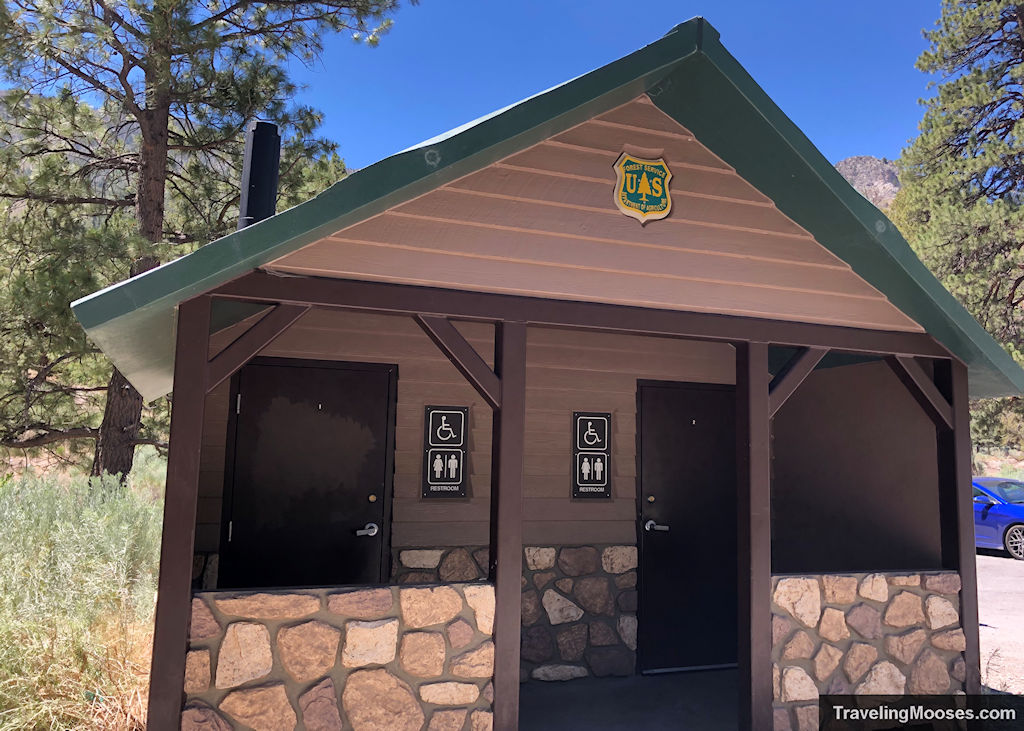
{"x": 754, "y": 517}
{"x": 956, "y": 508}
{"x": 507, "y": 518}
{"x": 174, "y": 596}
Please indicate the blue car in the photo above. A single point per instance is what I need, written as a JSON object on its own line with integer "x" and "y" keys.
{"x": 999, "y": 514}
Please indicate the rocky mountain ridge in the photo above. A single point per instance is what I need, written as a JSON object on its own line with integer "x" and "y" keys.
{"x": 875, "y": 178}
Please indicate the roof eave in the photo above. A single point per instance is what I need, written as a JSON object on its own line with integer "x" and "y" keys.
{"x": 690, "y": 76}
{"x": 143, "y": 307}
{"x": 807, "y": 188}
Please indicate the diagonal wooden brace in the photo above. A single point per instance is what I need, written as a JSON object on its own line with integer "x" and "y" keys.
{"x": 463, "y": 356}
{"x": 251, "y": 342}
{"x": 923, "y": 389}
{"x": 791, "y": 376}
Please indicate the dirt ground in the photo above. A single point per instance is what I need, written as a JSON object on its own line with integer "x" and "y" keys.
{"x": 1001, "y": 614}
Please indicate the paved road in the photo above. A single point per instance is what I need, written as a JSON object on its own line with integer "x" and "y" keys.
{"x": 1001, "y": 613}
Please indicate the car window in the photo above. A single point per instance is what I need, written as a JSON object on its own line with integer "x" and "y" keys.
{"x": 978, "y": 492}
{"x": 1011, "y": 491}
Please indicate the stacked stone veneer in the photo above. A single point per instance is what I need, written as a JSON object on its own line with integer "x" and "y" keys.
{"x": 579, "y": 612}
{"x": 433, "y": 565}
{"x": 396, "y": 658}
{"x": 868, "y": 634}
{"x": 579, "y": 603}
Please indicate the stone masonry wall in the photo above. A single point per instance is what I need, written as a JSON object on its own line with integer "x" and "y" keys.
{"x": 579, "y": 612}
{"x": 579, "y": 603}
{"x": 396, "y": 658}
{"x": 866, "y": 634}
{"x": 433, "y": 565}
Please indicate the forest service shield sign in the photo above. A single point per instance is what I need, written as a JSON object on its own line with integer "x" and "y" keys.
{"x": 641, "y": 187}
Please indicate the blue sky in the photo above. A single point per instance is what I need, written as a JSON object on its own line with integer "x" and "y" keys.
{"x": 844, "y": 72}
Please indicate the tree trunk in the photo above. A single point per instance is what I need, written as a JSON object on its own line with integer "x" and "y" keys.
{"x": 122, "y": 419}
{"x": 122, "y": 416}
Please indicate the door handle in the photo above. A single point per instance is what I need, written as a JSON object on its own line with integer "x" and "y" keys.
{"x": 370, "y": 529}
{"x": 651, "y": 525}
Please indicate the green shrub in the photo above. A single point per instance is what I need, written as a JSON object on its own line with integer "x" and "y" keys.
{"x": 78, "y": 561}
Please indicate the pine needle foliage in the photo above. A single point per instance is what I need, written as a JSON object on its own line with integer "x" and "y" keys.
{"x": 963, "y": 180}
{"x": 121, "y": 138}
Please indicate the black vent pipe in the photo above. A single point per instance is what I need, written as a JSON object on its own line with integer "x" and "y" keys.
{"x": 259, "y": 173}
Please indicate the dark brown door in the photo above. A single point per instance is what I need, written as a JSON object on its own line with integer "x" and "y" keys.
{"x": 687, "y": 508}
{"x": 310, "y": 461}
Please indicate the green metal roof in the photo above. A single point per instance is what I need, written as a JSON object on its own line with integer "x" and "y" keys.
{"x": 691, "y": 77}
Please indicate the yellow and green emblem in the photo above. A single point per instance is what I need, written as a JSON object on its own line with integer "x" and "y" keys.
{"x": 641, "y": 187}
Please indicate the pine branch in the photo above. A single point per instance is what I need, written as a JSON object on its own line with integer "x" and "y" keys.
{"x": 50, "y": 437}
{"x": 71, "y": 200}
{"x": 108, "y": 11}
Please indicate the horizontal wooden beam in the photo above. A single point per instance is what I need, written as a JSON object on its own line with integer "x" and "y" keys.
{"x": 923, "y": 389}
{"x": 786, "y": 381}
{"x": 251, "y": 342}
{"x": 463, "y": 356}
{"x": 411, "y": 300}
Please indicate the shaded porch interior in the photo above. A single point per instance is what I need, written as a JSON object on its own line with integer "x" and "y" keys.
{"x": 840, "y": 450}
{"x": 697, "y": 701}
{"x": 855, "y": 460}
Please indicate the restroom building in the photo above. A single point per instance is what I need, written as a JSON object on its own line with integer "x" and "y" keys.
{"x": 622, "y": 381}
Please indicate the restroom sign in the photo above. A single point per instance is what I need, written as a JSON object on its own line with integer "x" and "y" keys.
{"x": 591, "y": 454}
{"x": 444, "y": 451}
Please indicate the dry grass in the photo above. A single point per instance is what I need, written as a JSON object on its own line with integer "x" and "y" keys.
{"x": 77, "y": 578}
{"x": 62, "y": 681}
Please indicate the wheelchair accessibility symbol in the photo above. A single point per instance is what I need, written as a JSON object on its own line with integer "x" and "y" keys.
{"x": 591, "y": 432}
{"x": 446, "y": 428}
{"x": 444, "y": 432}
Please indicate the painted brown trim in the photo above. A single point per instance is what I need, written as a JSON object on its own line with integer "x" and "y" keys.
{"x": 412, "y": 300}
{"x": 506, "y": 542}
{"x": 174, "y": 607}
{"x": 923, "y": 389}
{"x": 753, "y": 486}
{"x": 251, "y": 342}
{"x": 463, "y": 356}
{"x": 950, "y": 527}
{"x": 956, "y": 449}
{"x": 788, "y": 380}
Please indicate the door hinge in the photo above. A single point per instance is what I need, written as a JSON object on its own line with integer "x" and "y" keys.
{"x": 238, "y": 403}
{"x": 231, "y": 526}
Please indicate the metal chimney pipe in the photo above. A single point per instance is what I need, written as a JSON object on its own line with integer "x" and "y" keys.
{"x": 259, "y": 173}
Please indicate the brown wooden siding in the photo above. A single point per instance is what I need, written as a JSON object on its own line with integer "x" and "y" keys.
{"x": 542, "y": 222}
{"x": 567, "y": 371}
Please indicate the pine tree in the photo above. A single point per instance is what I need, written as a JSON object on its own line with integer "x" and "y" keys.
{"x": 644, "y": 189}
{"x": 963, "y": 178}
{"x": 120, "y": 146}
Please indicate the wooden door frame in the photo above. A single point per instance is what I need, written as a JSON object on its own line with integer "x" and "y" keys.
{"x": 231, "y": 444}
{"x": 657, "y": 383}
